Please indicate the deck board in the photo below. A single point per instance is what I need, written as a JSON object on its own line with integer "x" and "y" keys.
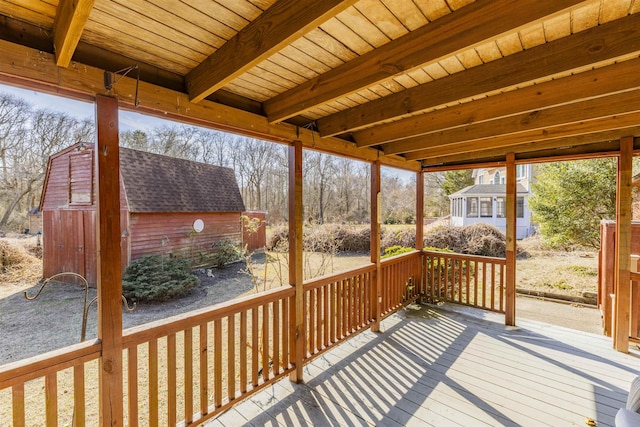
{"x": 435, "y": 367}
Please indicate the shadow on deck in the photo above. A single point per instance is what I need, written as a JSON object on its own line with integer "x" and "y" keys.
{"x": 434, "y": 366}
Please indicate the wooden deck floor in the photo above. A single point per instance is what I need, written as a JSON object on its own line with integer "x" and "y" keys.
{"x": 437, "y": 367}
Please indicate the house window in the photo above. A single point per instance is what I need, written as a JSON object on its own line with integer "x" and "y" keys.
{"x": 480, "y": 179}
{"x": 520, "y": 171}
{"x": 500, "y": 207}
{"x": 460, "y": 212}
{"x": 486, "y": 208}
{"x": 496, "y": 177}
{"x": 520, "y": 207}
{"x": 472, "y": 207}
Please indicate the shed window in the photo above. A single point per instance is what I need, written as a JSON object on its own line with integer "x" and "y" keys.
{"x": 81, "y": 178}
{"x": 486, "y": 208}
{"x": 472, "y": 207}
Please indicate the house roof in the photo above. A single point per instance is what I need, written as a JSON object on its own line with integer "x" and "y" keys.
{"x": 157, "y": 183}
{"x": 486, "y": 189}
{"x": 413, "y": 84}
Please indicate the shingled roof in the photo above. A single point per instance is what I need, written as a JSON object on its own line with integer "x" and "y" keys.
{"x": 482, "y": 189}
{"x": 157, "y": 183}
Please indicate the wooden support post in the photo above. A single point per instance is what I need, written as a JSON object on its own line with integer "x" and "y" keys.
{"x": 376, "y": 197}
{"x": 511, "y": 208}
{"x": 419, "y": 281}
{"x": 296, "y": 325}
{"x": 623, "y": 247}
{"x": 109, "y": 262}
{"x": 419, "y": 210}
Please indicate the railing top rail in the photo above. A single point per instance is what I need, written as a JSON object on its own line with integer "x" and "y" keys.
{"x": 334, "y": 277}
{"x": 49, "y": 362}
{"x": 163, "y": 327}
{"x": 400, "y": 258}
{"x": 465, "y": 257}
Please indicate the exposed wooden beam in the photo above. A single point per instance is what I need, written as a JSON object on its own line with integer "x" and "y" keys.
{"x": 606, "y": 106}
{"x": 279, "y": 25}
{"x": 37, "y": 70}
{"x": 420, "y": 212}
{"x": 616, "y": 39}
{"x": 609, "y": 123}
{"x": 71, "y": 17}
{"x": 577, "y": 87}
{"x": 448, "y": 35}
{"x": 109, "y": 262}
{"x": 541, "y": 149}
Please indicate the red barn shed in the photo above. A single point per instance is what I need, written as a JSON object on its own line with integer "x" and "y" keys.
{"x": 161, "y": 199}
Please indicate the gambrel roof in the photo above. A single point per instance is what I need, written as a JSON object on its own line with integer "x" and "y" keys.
{"x": 156, "y": 183}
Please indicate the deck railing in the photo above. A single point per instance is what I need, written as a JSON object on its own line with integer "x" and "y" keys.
{"x": 465, "y": 279}
{"x": 400, "y": 281}
{"x": 188, "y": 368}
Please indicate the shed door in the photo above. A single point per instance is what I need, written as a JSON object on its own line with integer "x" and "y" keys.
{"x": 64, "y": 246}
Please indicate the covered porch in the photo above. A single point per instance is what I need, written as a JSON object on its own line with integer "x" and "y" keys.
{"x": 420, "y": 86}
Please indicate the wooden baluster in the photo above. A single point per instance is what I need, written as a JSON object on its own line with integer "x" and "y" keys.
{"x": 432, "y": 277}
{"x": 171, "y": 380}
{"x": 188, "y": 375}
{"x": 285, "y": 333}
{"x": 265, "y": 342}
{"x": 325, "y": 317}
{"x": 204, "y": 369}
{"x": 51, "y": 396}
{"x": 467, "y": 296}
{"x": 319, "y": 318}
{"x": 333, "y": 321}
{"x": 476, "y": 266}
{"x": 312, "y": 322}
{"x": 502, "y": 287}
{"x": 231, "y": 358}
{"x": 17, "y": 403}
{"x": 217, "y": 363}
{"x": 254, "y": 347}
{"x": 153, "y": 383}
{"x": 338, "y": 310}
{"x": 358, "y": 301}
{"x": 276, "y": 337}
{"x": 453, "y": 280}
{"x": 78, "y": 396}
{"x": 484, "y": 284}
{"x": 493, "y": 285}
{"x": 243, "y": 352}
{"x": 132, "y": 384}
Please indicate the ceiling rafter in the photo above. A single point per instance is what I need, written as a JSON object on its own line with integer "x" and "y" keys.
{"x": 559, "y": 144}
{"x": 71, "y": 18}
{"x": 468, "y": 27}
{"x": 621, "y": 121}
{"x": 279, "y": 25}
{"x": 617, "y": 39}
{"x": 605, "y": 106}
{"x": 577, "y": 87}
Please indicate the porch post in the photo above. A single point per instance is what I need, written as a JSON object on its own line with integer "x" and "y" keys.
{"x": 419, "y": 210}
{"x": 109, "y": 263}
{"x": 296, "y": 316}
{"x": 623, "y": 246}
{"x": 420, "y": 228}
{"x": 376, "y": 282}
{"x": 510, "y": 275}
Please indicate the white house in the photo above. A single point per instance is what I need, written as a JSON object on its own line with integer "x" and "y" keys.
{"x": 485, "y": 201}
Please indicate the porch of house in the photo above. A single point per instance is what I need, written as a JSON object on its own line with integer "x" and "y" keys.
{"x": 441, "y": 366}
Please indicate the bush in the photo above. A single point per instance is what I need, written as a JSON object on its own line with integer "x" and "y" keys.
{"x": 476, "y": 239}
{"x": 226, "y": 251}
{"x": 155, "y": 278}
{"x": 396, "y": 250}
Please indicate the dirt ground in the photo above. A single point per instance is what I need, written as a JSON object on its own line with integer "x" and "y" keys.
{"x": 54, "y": 320}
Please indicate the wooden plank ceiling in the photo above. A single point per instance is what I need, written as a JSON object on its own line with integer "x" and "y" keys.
{"x": 416, "y": 83}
